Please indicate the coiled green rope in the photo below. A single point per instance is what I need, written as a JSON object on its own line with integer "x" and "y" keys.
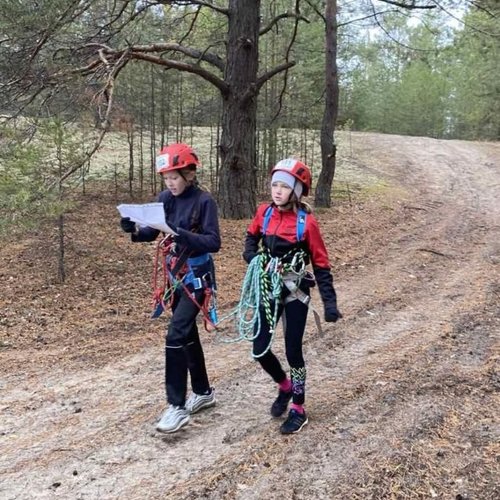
{"x": 262, "y": 287}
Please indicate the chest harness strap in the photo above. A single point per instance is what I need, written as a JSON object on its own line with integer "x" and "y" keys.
{"x": 301, "y": 221}
{"x": 292, "y": 278}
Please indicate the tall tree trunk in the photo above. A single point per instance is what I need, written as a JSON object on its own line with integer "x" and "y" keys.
{"x": 131, "y": 166}
{"x": 152, "y": 136}
{"x": 61, "y": 271}
{"x": 239, "y": 112}
{"x": 141, "y": 151}
{"x": 328, "y": 147}
{"x": 163, "y": 113}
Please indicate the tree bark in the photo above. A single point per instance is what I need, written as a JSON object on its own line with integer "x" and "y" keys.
{"x": 328, "y": 146}
{"x": 238, "y": 175}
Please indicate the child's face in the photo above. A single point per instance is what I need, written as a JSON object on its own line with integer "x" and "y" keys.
{"x": 280, "y": 193}
{"x": 174, "y": 181}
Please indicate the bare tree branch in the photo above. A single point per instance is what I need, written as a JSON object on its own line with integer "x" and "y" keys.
{"x": 461, "y": 21}
{"x": 212, "y": 59}
{"x": 52, "y": 29}
{"x": 136, "y": 12}
{"x": 288, "y": 51}
{"x": 268, "y": 75}
{"x": 482, "y": 8}
{"x": 316, "y": 10}
{"x": 191, "y": 26}
{"x": 194, "y": 2}
{"x": 380, "y": 25}
{"x": 182, "y": 66}
{"x": 352, "y": 21}
{"x": 285, "y": 15}
{"x": 412, "y": 4}
{"x": 108, "y": 93}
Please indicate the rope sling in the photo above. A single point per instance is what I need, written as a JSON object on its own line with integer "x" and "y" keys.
{"x": 176, "y": 272}
{"x": 262, "y": 287}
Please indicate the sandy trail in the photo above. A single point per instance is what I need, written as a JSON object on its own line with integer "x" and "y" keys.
{"x": 400, "y": 393}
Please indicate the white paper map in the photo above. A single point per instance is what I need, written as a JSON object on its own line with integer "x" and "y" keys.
{"x": 148, "y": 214}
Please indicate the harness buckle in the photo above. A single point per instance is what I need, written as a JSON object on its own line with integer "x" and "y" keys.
{"x": 197, "y": 283}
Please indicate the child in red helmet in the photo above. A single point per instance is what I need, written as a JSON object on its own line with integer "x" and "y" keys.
{"x": 193, "y": 214}
{"x": 289, "y": 238}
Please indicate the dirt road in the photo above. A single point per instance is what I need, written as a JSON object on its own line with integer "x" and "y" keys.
{"x": 402, "y": 393}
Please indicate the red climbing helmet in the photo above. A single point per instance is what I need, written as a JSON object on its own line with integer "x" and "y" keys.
{"x": 296, "y": 168}
{"x": 175, "y": 157}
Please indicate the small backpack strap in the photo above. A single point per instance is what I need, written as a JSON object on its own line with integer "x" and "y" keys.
{"x": 301, "y": 224}
{"x": 267, "y": 217}
{"x": 301, "y": 221}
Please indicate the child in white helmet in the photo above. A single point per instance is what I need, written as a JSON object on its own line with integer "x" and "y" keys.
{"x": 285, "y": 237}
{"x": 193, "y": 214}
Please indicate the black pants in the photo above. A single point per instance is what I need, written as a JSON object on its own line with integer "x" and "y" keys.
{"x": 295, "y": 323}
{"x": 183, "y": 351}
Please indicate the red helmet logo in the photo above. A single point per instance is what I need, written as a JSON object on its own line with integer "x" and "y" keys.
{"x": 298, "y": 169}
{"x": 175, "y": 157}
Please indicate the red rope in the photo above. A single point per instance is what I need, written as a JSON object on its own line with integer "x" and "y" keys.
{"x": 163, "y": 250}
{"x": 203, "y": 307}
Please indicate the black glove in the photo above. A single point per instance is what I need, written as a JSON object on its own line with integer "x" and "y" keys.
{"x": 127, "y": 225}
{"x": 332, "y": 314}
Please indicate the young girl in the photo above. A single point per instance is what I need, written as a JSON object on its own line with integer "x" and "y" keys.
{"x": 192, "y": 213}
{"x": 290, "y": 239}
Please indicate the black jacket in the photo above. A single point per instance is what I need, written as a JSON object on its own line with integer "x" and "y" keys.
{"x": 193, "y": 215}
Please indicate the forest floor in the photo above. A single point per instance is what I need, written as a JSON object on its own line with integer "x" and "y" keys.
{"x": 402, "y": 393}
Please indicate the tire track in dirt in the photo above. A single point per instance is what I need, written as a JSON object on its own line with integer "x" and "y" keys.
{"x": 404, "y": 338}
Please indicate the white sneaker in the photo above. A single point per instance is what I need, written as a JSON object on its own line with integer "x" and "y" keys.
{"x": 173, "y": 419}
{"x": 197, "y": 402}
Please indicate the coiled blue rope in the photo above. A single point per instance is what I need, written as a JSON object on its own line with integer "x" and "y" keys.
{"x": 262, "y": 287}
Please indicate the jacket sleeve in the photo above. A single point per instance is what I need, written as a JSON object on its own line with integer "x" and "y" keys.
{"x": 254, "y": 235}
{"x": 251, "y": 247}
{"x": 320, "y": 263}
{"x": 145, "y": 234}
{"x": 324, "y": 279}
{"x": 209, "y": 239}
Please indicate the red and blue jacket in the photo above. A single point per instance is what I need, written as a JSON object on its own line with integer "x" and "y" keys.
{"x": 281, "y": 237}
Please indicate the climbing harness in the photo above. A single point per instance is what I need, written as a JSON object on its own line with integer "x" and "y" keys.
{"x": 263, "y": 285}
{"x": 262, "y": 288}
{"x": 178, "y": 271}
{"x": 292, "y": 279}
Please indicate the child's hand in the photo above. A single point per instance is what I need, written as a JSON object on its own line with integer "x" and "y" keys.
{"x": 332, "y": 314}
{"x": 127, "y": 225}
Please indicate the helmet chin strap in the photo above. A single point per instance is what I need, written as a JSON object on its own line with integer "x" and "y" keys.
{"x": 188, "y": 182}
{"x": 292, "y": 198}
